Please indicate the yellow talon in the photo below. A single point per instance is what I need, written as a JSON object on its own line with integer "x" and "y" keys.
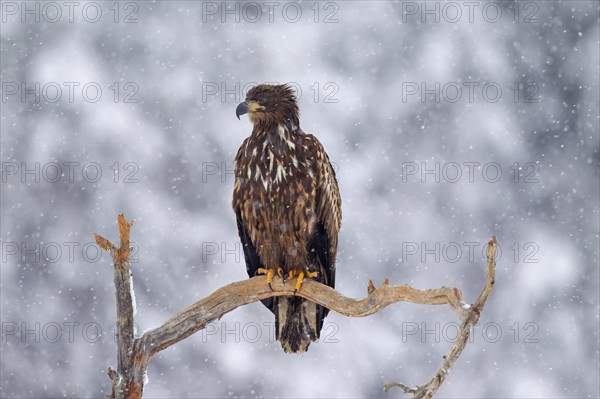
{"x": 269, "y": 273}
{"x": 299, "y": 281}
{"x": 280, "y": 272}
{"x": 312, "y": 274}
{"x": 270, "y": 278}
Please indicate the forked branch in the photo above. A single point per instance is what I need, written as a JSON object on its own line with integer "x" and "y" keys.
{"x": 429, "y": 389}
{"x": 135, "y": 353}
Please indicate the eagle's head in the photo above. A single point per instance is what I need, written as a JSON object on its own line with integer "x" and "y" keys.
{"x": 270, "y": 105}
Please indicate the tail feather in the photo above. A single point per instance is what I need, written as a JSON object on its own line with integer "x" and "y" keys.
{"x": 297, "y": 323}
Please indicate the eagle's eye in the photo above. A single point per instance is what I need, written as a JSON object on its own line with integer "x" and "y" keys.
{"x": 262, "y": 100}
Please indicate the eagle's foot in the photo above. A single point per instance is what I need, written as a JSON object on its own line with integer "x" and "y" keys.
{"x": 280, "y": 273}
{"x": 269, "y": 273}
{"x": 300, "y": 277}
{"x": 312, "y": 274}
{"x": 299, "y": 282}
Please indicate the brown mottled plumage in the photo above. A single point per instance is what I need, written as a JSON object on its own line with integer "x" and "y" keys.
{"x": 288, "y": 207}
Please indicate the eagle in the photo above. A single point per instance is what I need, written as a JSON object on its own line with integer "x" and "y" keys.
{"x": 288, "y": 209}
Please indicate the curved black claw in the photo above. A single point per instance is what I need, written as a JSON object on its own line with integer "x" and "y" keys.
{"x": 269, "y": 273}
{"x": 282, "y": 274}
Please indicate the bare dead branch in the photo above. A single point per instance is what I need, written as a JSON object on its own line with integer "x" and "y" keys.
{"x": 122, "y": 387}
{"x": 134, "y": 354}
{"x": 428, "y": 390}
{"x": 400, "y": 385}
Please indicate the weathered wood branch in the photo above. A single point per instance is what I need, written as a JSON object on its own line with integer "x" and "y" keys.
{"x": 135, "y": 353}
{"x": 125, "y": 305}
{"x": 473, "y": 314}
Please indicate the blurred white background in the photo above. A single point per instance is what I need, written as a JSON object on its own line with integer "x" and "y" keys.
{"x": 447, "y": 123}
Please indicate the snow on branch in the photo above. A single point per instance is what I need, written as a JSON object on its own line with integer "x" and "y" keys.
{"x": 135, "y": 353}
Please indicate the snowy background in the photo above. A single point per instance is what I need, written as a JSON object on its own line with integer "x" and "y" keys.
{"x": 130, "y": 107}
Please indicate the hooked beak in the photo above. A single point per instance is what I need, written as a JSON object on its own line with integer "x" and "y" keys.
{"x": 241, "y": 109}
{"x": 247, "y": 106}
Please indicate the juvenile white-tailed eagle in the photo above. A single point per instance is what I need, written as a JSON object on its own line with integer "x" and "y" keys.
{"x": 288, "y": 209}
